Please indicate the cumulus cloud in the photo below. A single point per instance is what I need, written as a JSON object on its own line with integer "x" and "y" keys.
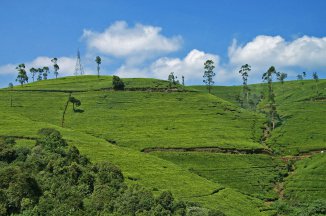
{"x": 66, "y": 64}
{"x": 136, "y": 43}
{"x": 301, "y": 54}
{"x": 191, "y": 67}
{"x": 142, "y": 51}
{"x": 306, "y": 52}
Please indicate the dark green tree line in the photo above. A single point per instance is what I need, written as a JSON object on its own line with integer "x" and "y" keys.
{"x": 54, "y": 179}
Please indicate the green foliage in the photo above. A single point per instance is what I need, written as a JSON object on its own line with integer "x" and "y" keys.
{"x": 40, "y": 74}
{"x": 46, "y": 71}
{"x": 98, "y": 61}
{"x": 306, "y": 184}
{"x": 209, "y": 74}
{"x": 55, "y": 67}
{"x": 281, "y": 77}
{"x": 117, "y": 83}
{"x": 22, "y": 76}
{"x": 315, "y": 77}
{"x": 272, "y": 114}
{"x": 118, "y": 125}
{"x": 75, "y": 102}
{"x": 33, "y": 72}
{"x": 7, "y": 152}
{"x": 56, "y": 182}
{"x": 244, "y": 71}
{"x": 51, "y": 139}
{"x": 254, "y": 175}
{"x": 172, "y": 80}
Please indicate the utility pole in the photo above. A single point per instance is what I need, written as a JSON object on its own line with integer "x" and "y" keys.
{"x": 79, "y": 70}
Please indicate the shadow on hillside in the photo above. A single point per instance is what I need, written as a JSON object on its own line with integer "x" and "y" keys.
{"x": 78, "y": 110}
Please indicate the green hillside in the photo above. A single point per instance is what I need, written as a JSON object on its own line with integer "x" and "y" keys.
{"x": 302, "y": 111}
{"x": 202, "y": 147}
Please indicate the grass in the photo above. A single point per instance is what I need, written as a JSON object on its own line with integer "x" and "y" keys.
{"x": 303, "y": 113}
{"x": 90, "y": 82}
{"x": 117, "y": 126}
{"x": 140, "y": 120}
{"x": 254, "y": 175}
{"x": 307, "y": 183}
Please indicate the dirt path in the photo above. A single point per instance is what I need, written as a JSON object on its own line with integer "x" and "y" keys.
{"x": 209, "y": 149}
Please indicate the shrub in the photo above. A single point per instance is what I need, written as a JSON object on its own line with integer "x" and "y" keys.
{"x": 51, "y": 139}
{"x": 117, "y": 83}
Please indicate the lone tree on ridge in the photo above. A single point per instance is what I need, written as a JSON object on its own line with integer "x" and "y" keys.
{"x": 315, "y": 77}
{"x": 209, "y": 74}
{"x": 272, "y": 113}
{"x": 244, "y": 71}
{"x": 22, "y": 76}
{"x": 55, "y": 66}
{"x": 98, "y": 61}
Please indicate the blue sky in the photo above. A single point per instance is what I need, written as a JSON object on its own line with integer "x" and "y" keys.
{"x": 147, "y": 38}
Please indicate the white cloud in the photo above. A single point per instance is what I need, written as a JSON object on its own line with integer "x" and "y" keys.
{"x": 133, "y": 72}
{"x": 263, "y": 51}
{"x": 7, "y": 69}
{"x": 191, "y": 67}
{"x": 135, "y": 43}
{"x": 66, "y": 64}
{"x": 302, "y": 54}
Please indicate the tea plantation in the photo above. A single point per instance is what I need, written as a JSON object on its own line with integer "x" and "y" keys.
{"x": 203, "y": 148}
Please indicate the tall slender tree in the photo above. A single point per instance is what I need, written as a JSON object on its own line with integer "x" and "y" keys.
{"x": 33, "y": 72}
{"x": 244, "y": 71}
{"x": 209, "y": 74}
{"x": 171, "y": 79}
{"x": 22, "y": 76}
{"x": 183, "y": 80}
{"x": 98, "y": 61}
{"x": 281, "y": 77}
{"x": 55, "y": 66}
{"x": 272, "y": 113}
{"x": 316, "y": 78}
{"x": 10, "y": 86}
{"x": 46, "y": 72}
{"x": 300, "y": 78}
{"x": 40, "y": 73}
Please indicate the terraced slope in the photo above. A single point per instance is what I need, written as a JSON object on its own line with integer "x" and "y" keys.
{"x": 303, "y": 114}
{"x": 307, "y": 184}
{"x": 253, "y": 174}
{"x": 117, "y": 126}
{"x": 302, "y": 132}
{"x": 89, "y": 82}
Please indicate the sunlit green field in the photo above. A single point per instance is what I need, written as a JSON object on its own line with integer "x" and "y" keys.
{"x": 120, "y": 126}
{"x": 117, "y": 126}
{"x": 302, "y": 111}
{"x": 254, "y": 175}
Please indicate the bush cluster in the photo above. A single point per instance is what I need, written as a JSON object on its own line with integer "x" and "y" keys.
{"x": 52, "y": 179}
